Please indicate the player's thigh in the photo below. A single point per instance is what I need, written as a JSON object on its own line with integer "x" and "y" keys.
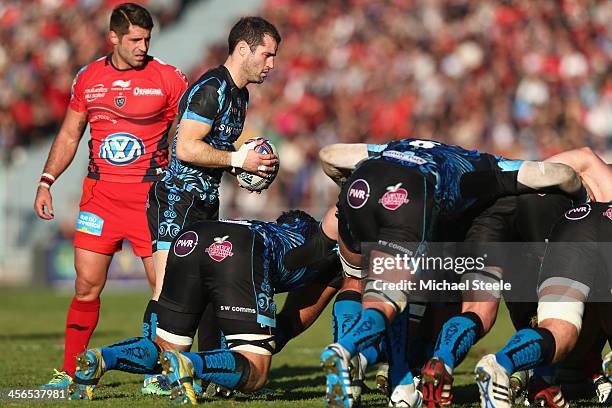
{"x": 97, "y": 228}
{"x": 183, "y": 297}
{"x": 159, "y": 258}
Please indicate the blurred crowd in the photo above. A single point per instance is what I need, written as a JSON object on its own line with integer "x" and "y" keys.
{"x": 521, "y": 78}
{"x": 43, "y": 43}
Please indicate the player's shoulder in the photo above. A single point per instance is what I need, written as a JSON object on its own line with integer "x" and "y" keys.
{"x": 92, "y": 69}
{"x": 214, "y": 77}
{"x": 166, "y": 70}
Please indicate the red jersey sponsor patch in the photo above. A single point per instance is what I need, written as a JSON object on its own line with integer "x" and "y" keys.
{"x": 220, "y": 249}
{"x": 395, "y": 197}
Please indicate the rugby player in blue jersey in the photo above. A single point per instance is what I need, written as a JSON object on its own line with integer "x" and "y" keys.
{"x": 392, "y": 200}
{"x": 211, "y": 114}
{"x": 237, "y": 267}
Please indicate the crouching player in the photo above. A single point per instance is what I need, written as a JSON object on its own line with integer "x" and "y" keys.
{"x": 577, "y": 267}
{"x": 393, "y": 199}
{"x": 237, "y": 266}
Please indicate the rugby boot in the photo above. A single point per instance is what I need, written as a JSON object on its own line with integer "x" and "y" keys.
{"x": 603, "y": 390}
{"x": 156, "y": 385}
{"x": 178, "y": 370}
{"x": 493, "y": 383}
{"x": 542, "y": 394}
{"x": 382, "y": 378}
{"x": 437, "y": 384}
{"x": 60, "y": 380}
{"x": 335, "y": 363}
{"x": 89, "y": 370}
{"x": 406, "y": 395}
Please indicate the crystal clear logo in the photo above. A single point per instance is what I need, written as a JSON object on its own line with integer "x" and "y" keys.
{"x": 395, "y": 197}
{"x": 220, "y": 249}
{"x": 186, "y": 243}
{"x": 120, "y": 149}
{"x": 122, "y": 84}
{"x": 358, "y": 193}
{"x": 578, "y": 213}
{"x": 608, "y": 213}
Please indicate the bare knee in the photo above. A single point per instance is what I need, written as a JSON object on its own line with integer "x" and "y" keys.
{"x": 259, "y": 367}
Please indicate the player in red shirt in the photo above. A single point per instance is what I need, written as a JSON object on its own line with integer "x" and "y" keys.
{"x": 130, "y": 101}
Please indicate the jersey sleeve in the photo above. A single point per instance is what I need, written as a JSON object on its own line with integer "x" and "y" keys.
{"x": 204, "y": 102}
{"x": 77, "y": 99}
{"x": 176, "y": 85}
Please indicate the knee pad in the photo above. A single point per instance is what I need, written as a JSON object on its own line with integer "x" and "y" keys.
{"x": 352, "y": 270}
{"x": 570, "y": 312}
{"x": 254, "y": 343}
{"x": 378, "y": 289}
{"x": 174, "y": 338}
{"x": 563, "y": 299}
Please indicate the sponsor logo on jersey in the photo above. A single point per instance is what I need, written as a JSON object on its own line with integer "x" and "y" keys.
{"x": 578, "y": 213}
{"x": 148, "y": 91}
{"x": 230, "y": 130}
{"x": 186, "y": 243}
{"x": 120, "y": 101}
{"x": 358, "y": 193}
{"x": 395, "y": 197}
{"x": 95, "y": 92}
{"x": 410, "y": 157}
{"x": 220, "y": 249}
{"x": 89, "y": 223}
{"x": 120, "y": 149}
{"x": 608, "y": 213}
{"x": 121, "y": 84}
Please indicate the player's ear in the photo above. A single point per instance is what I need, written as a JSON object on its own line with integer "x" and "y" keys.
{"x": 113, "y": 37}
{"x": 243, "y": 48}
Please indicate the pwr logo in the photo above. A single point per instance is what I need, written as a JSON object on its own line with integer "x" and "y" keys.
{"x": 395, "y": 197}
{"x": 578, "y": 213}
{"x": 220, "y": 249}
{"x": 185, "y": 244}
{"x": 358, "y": 193}
{"x": 120, "y": 149}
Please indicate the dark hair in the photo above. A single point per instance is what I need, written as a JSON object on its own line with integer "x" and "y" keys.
{"x": 127, "y": 14}
{"x": 299, "y": 219}
{"x": 252, "y": 31}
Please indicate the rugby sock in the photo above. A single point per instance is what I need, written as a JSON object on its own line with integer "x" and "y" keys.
{"x": 527, "y": 349}
{"x": 224, "y": 367}
{"x": 397, "y": 346}
{"x": 368, "y": 331}
{"x": 149, "y": 325}
{"x": 375, "y": 353}
{"x": 135, "y": 355}
{"x": 456, "y": 338}
{"x": 80, "y": 323}
{"x": 347, "y": 308}
{"x": 149, "y": 320}
{"x": 282, "y": 332}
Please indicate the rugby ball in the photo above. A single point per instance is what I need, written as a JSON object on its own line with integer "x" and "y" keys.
{"x": 251, "y": 181}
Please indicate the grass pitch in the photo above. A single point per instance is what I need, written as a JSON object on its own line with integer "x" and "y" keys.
{"x": 31, "y": 341}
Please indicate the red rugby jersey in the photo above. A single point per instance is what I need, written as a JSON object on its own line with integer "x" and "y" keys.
{"x": 129, "y": 113}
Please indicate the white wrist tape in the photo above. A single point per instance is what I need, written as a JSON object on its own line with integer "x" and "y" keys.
{"x": 238, "y": 158}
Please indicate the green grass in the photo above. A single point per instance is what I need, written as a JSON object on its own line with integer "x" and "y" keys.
{"x": 31, "y": 340}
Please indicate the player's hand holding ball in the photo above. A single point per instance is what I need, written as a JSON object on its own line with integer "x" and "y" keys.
{"x": 260, "y": 165}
